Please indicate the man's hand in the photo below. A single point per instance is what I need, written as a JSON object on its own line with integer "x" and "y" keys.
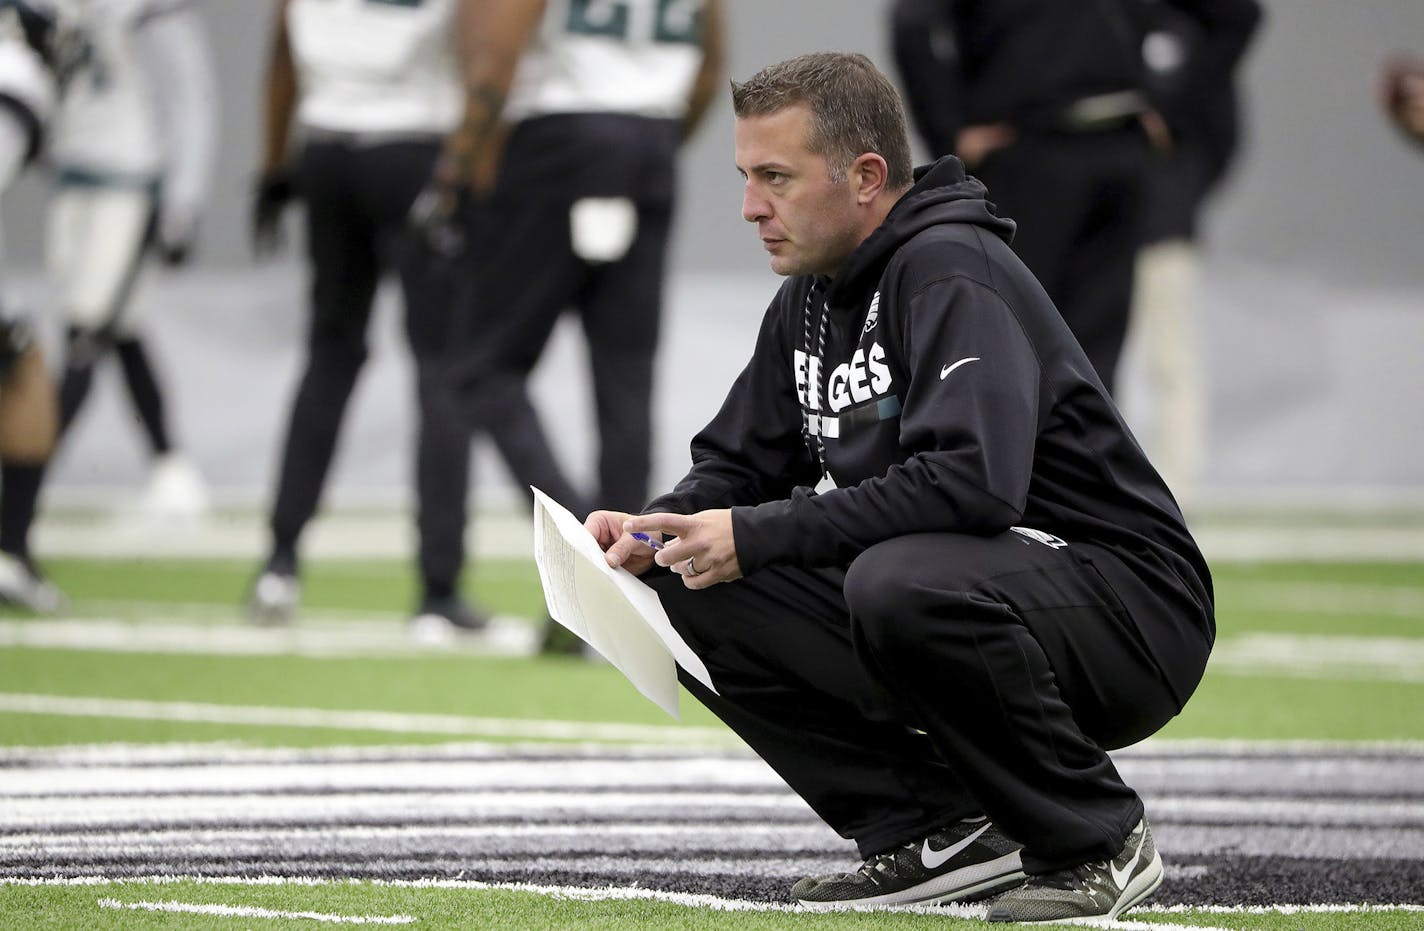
{"x": 704, "y": 552}
{"x": 270, "y": 196}
{"x": 975, "y": 143}
{"x": 435, "y": 217}
{"x": 177, "y": 230}
{"x": 1401, "y": 93}
{"x": 619, "y": 548}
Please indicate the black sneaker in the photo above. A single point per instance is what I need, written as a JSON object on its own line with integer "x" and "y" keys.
{"x": 441, "y": 620}
{"x": 1088, "y": 892}
{"x": 969, "y": 859}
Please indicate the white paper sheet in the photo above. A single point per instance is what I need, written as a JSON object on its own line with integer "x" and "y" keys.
{"x": 609, "y": 608}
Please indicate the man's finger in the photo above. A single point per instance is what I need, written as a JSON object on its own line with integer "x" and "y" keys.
{"x": 674, "y": 524}
{"x": 622, "y": 548}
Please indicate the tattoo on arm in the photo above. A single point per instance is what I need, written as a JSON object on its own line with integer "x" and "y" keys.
{"x": 484, "y": 103}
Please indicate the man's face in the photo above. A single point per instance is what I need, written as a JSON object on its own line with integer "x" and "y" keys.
{"x": 808, "y": 222}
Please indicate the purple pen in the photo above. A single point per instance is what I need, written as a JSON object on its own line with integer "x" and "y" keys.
{"x": 644, "y": 538}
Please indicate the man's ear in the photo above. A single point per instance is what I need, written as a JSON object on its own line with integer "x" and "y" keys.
{"x": 869, "y": 174}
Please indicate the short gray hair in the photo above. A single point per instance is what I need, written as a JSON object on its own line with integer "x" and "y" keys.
{"x": 854, "y": 109}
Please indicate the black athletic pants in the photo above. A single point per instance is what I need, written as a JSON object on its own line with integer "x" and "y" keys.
{"x": 357, "y": 198}
{"x": 1076, "y": 198}
{"x": 528, "y": 274}
{"x": 940, "y": 676}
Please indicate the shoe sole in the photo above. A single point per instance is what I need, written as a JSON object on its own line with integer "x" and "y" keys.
{"x": 1138, "y": 889}
{"x": 977, "y": 881}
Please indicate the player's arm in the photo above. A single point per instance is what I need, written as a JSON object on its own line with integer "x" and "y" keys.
{"x": 279, "y": 96}
{"x": 709, "y": 73}
{"x": 490, "y": 37}
{"x": 274, "y": 184}
{"x": 178, "y": 61}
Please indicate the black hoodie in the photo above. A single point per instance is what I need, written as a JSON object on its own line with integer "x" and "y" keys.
{"x": 956, "y": 400}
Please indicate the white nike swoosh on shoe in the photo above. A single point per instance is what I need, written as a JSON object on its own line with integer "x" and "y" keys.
{"x": 933, "y": 859}
{"x": 944, "y": 372}
{"x": 1122, "y": 876}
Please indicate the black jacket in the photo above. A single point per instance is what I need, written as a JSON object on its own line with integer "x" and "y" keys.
{"x": 960, "y": 401}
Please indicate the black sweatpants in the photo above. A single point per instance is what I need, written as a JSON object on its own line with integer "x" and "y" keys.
{"x": 940, "y": 676}
{"x": 357, "y": 198}
{"x": 529, "y": 274}
{"x": 1076, "y": 198}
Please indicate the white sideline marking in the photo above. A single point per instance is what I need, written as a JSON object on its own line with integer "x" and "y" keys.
{"x": 505, "y": 636}
{"x": 267, "y": 716}
{"x": 227, "y": 752}
{"x": 1237, "y": 544}
{"x": 624, "y": 892}
{"x": 246, "y": 911}
{"x": 1321, "y": 656}
{"x": 1327, "y": 598}
{"x": 604, "y": 894}
{"x": 691, "y": 900}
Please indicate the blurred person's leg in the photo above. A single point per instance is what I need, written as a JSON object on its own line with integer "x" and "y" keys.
{"x": 342, "y": 252}
{"x": 175, "y": 487}
{"x": 429, "y": 282}
{"x": 28, "y": 409}
{"x": 1164, "y": 326}
{"x": 524, "y": 277}
{"x": 95, "y": 247}
{"x": 1074, "y": 198}
{"x": 28, "y": 427}
{"x": 622, "y": 315}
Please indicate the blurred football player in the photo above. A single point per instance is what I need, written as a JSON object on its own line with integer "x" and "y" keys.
{"x": 371, "y": 88}
{"x": 38, "y": 43}
{"x": 132, "y": 149}
{"x": 574, "y": 120}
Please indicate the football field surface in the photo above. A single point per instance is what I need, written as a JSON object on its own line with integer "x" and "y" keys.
{"x": 163, "y": 764}
{"x": 1293, "y": 824}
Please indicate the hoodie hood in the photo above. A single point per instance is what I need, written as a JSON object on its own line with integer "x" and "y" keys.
{"x": 942, "y": 193}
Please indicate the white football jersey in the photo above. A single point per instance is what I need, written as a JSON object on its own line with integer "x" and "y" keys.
{"x": 610, "y": 56}
{"x": 24, "y": 76}
{"x": 106, "y": 121}
{"x": 32, "y": 65}
{"x": 376, "y": 66}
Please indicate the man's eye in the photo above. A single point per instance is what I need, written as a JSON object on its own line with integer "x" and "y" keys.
{"x": 774, "y": 177}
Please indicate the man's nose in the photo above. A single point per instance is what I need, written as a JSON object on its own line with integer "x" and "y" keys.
{"x": 754, "y": 206}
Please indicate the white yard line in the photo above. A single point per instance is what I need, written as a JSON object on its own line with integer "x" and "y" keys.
{"x": 506, "y": 636}
{"x": 1321, "y": 656}
{"x": 228, "y": 753}
{"x": 247, "y": 911}
{"x": 1327, "y": 598}
{"x": 605, "y": 894}
{"x": 615, "y": 893}
{"x": 1323, "y": 543}
{"x": 267, "y": 716}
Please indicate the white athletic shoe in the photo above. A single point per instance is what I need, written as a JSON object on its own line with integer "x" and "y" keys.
{"x": 176, "y": 490}
{"x": 22, "y": 586}
{"x": 274, "y": 599}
